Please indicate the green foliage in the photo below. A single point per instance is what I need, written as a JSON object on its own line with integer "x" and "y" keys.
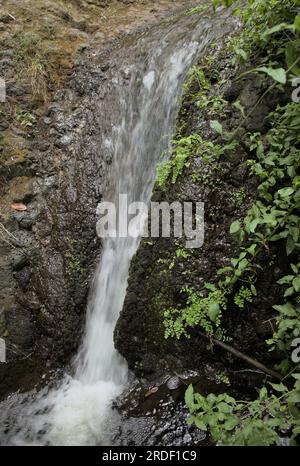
{"x": 168, "y": 263}
{"x": 243, "y": 296}
{"x": 26, "y": 45}
{"x": 182, "y": 253}
{"x": 200, "y": 310}
{"x": 221, "y": 377}
{"x": 214, "y": 104}
{"x": 24, "y": 117}
{"x": 267, "y": 22}
{"x": 255, "y": 423}
{"x": 272, "y": 32}
{"x": 197, "y": 10}
{"x": 216, "y": 126}
{"x": 238, "y": 197}
{"x": 32, "y": 56}
{"x": 73, "y": 264}
{"x": 183, "y": 149}
{"x": 196, "y": 83}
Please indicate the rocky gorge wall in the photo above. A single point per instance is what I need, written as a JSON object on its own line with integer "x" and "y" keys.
{"x": 54, "y": 170}
{"x": 163, "y": 268}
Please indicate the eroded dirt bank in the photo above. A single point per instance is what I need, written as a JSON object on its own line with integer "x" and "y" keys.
{"x": 60, "y": 64}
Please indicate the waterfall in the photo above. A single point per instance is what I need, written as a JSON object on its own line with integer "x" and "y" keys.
{"x": 77, "y": 412}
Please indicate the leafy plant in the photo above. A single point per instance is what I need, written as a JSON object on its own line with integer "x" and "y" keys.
{"x": 201, "y": 310}
{"x": 24, "y": 117}
{"x": 183, "y": 149}
{"x": 272, "y": 34}
{"x": 244, "y": 295}
{"x": 260, "y": 422}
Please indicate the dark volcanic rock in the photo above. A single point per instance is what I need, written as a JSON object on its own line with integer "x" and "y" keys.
{"x": 158, "y": 273}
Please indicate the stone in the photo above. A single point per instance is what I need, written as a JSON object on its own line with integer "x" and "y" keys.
{"x": 3, "y": 125}
{"x": 65, "y": 140}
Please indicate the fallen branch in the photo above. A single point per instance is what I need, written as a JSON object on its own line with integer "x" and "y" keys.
{"x": 243, "y": 356}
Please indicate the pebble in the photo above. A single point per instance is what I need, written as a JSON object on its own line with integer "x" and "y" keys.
{"x": 187, "y": 438}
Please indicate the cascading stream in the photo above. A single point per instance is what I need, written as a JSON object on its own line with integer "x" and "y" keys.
{"x": 75, "y": 412}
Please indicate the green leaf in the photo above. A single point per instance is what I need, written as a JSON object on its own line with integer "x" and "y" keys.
{"x": 276, "y": 28}
{"x": 286, "y": 192}
{"x": 224, "y": 407}
{"x": 294, "y": 397}
{"x": 253, "y": 225}
{"x": 241, "y": 53}
{"x": 286, "y": 310}
{"x": 279, "y": 387}
{"x": 215, "y": 125}
{"x": 189, "y": 396}
{"x": 238, "y": 104}
{"x": 297, "y": 23}
{"x": 210, "y": 286}
{"x": 290, "y": 245}
{"x": 252, "y": 249}
{"x": 296, "y": 283}
{"x": 235, "y": 227}
{"x": 213, "y": 311}
{"x": 289, "y": 292}
{"x": 200, "y": 424}
{"x": 278, "y": 74}
{"x": 231, "y": 423}
{"x": 285, "y": 280}
{"x": 292, "y": 53}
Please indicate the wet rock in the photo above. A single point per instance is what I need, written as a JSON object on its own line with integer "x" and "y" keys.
{"x": 232, "y": 91}
{"x": 174, "y": 383}
{"x": 16, "y": 91}
{"x": 3, "y": 125}
{"x": 18, "y": 259}
{"x": 65, "y": 140}
{"x": 22, "y": 239}
{"x": 23, "y": 277}
{"x": 187, "y": 439}
{"x": 42, "y": 146}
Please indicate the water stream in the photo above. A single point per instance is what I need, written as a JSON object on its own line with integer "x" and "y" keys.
{"x": 77, "y": 411}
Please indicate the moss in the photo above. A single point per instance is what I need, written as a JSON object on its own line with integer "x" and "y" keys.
{"x": 73, "y": 264}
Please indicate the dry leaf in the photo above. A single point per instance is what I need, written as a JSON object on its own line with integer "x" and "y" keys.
{"x": 19, "y": 206}
{"x": 151, "y": 391}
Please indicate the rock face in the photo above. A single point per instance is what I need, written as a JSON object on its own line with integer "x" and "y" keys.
{"x": 163, "y": 266}
{"x": 55, "y": 162}
{"x": 49, "y": 249}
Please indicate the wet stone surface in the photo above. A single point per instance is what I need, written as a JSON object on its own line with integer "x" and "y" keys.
{"x": 156, "y": 415}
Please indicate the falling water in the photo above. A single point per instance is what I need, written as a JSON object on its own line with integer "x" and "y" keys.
{"x": 75, "y": 412}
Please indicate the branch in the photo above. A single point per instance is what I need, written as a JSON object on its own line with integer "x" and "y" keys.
{"x": 243, "y": 356}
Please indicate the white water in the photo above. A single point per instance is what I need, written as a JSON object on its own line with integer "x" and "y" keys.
{"x": 77, "y": 412}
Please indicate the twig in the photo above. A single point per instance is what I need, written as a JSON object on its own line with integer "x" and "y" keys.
{"x": 7, "y": 242}
{"x": 243, "y": 356}
{"x": 8, "y": 232}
